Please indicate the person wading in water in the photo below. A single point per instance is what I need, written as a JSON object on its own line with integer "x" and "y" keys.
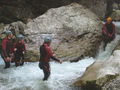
{"x": 19, "y": 50}
{"x": 7, "y": 47}
{"x": 108, "y": 31}
{"x": 45, "y": 55}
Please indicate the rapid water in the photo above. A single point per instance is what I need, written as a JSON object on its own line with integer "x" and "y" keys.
{"x": 29, "y": 76}
{"x": 105, "y": 54}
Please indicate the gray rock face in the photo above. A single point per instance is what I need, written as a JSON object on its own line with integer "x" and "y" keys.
{"x": 75, "y": 31}
{"x": 18, "y": 27}
{"x": 112, "y": 85}
{"x": 14, "y": 10}
{"x": 116, "y": 10}
{"x": 116, "y": 6}
{"x": 116, "y": 15}
{"x": 104, "y": 73}
{"x": 97, "y": 6}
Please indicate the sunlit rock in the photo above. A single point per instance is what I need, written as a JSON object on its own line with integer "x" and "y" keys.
{"x": 75, "y": 30}
{"x": 101, "y": 72}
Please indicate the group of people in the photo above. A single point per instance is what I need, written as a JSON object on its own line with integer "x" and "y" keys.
{"x": 18, "y": 48}
{"x": 13, "y": 50}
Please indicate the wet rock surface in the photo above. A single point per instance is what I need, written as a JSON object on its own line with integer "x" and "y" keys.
{"x": 104, "y": 74}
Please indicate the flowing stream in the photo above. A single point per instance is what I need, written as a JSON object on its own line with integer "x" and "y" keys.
{"x": 29, "y": 76}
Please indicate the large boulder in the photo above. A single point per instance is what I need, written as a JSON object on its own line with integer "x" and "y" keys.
{"x": 75, "y": 30}
{"x": 101, "y": 73}
{"x": 14, "y": 10}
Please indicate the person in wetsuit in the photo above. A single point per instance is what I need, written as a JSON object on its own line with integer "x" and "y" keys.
{"x": 19, "y": 50}
{"x": 108, "y": 31}
{"x": 7, "y": 47}
{"x": 45, "y": 55}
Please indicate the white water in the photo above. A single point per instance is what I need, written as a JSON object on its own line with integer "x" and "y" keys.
{"x": 104, "y": 55}
{"x": 29, "y": 76}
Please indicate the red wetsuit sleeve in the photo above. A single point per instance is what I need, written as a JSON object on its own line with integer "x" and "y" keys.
{"x": 50, "y": 53}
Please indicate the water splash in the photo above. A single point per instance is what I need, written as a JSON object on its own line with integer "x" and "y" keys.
{"x": 29, "y": 77}
{"x": 104, "y": 55}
